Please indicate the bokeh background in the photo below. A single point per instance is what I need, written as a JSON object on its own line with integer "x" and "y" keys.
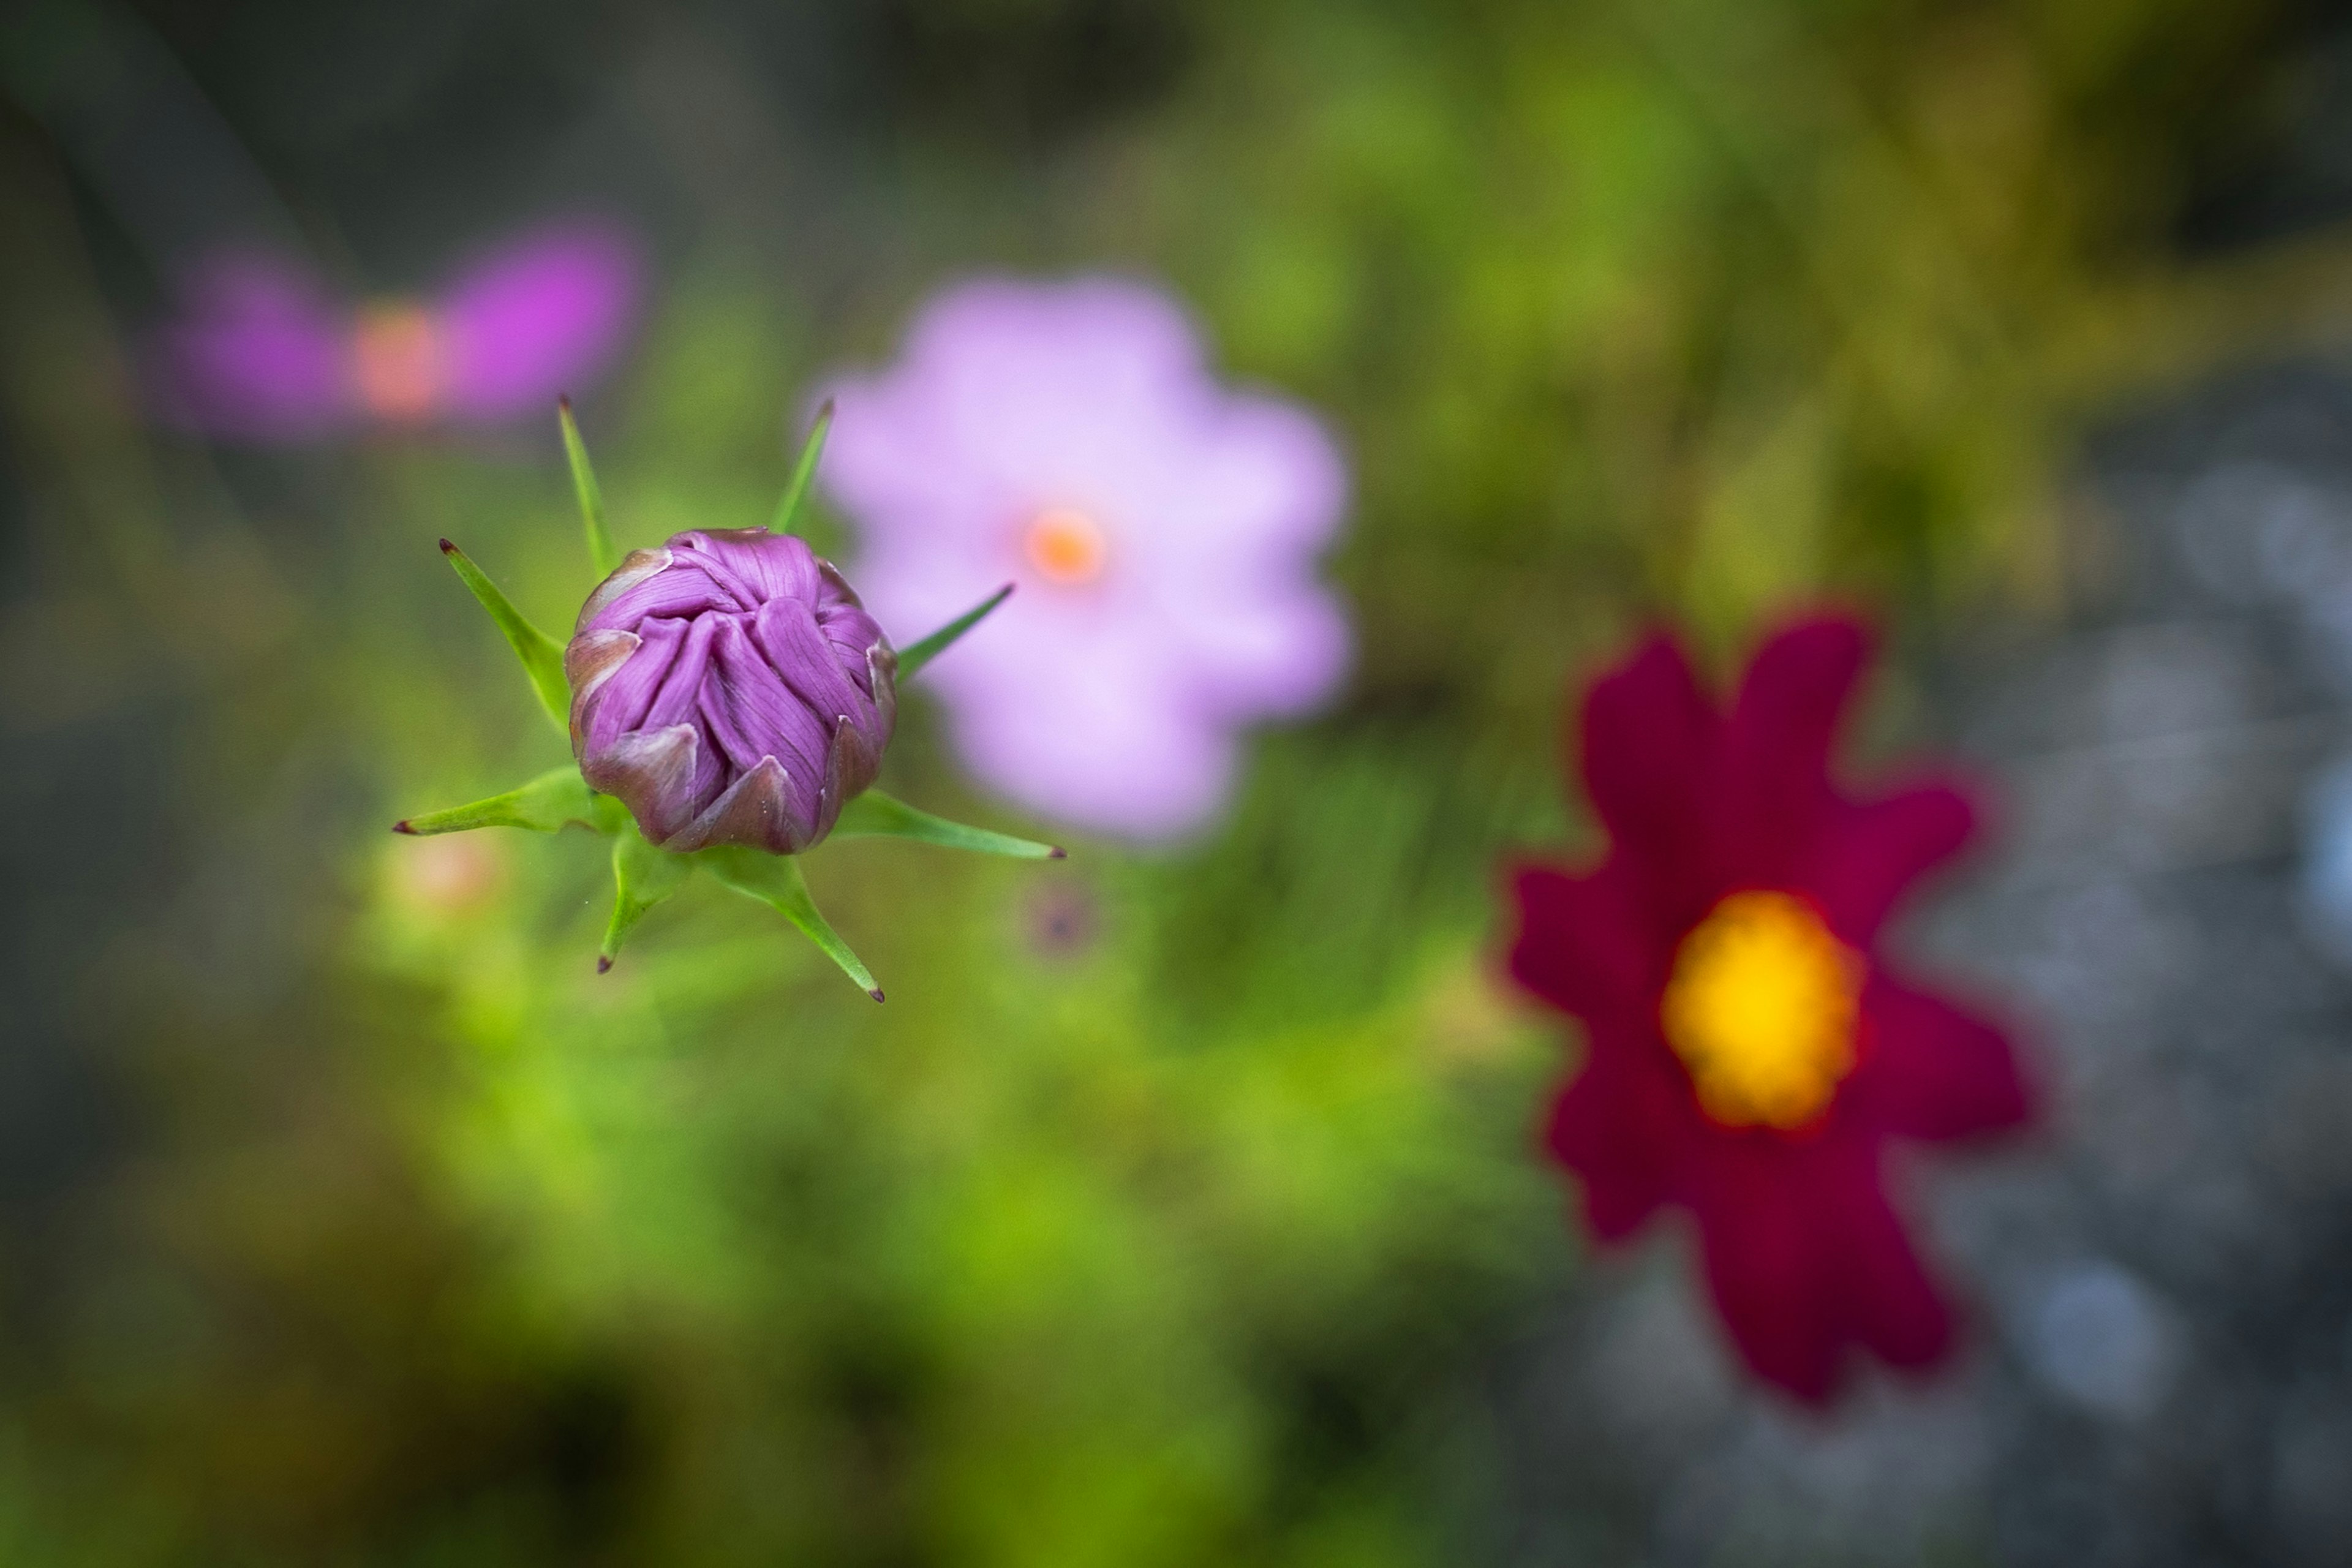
{"x": 1181, "y": 1206}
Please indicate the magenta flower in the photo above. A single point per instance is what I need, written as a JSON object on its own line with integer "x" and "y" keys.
{"x": 1070, "y": 438}
{"x": 263, "y": 352}
{"x": 1753, "y": 1050}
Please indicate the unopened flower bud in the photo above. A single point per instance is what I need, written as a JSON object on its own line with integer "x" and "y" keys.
{"x": 728, "y": 688}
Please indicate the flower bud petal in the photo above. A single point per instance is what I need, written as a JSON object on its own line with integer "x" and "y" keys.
{"x": 729, "y": 689}
{"x": 634, "y": 568}
{"x": 756, "y": 810}
{"x": 656, "y": 767}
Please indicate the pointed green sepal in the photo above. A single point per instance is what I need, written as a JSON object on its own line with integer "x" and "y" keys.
{"x": 911, "y": 659}
{"x": 775, "y": 880}
{"x": 788, "y": 508}
{"x": 541, "y": 655}
{"x": 542, "y": 806}
{"x": 877, "y": 816}
{"x": 643, "y": 876}
{"x": 600, "y": 553}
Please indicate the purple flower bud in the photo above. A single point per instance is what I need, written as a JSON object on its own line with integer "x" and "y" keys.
{"x": 728, "y": 688}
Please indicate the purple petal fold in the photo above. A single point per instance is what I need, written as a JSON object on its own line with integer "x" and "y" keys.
{"x": 757, "y": 698}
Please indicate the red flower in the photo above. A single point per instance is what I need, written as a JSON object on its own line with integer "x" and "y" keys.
{"x": 1750, "y": 1052}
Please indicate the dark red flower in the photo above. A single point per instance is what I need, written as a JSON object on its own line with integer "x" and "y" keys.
{"x": 1750, "y": 1051}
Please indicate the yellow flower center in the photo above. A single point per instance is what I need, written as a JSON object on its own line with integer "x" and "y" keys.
{"x": 1065, "y": 546}
{"x": 399, "y": 358}
{"x": 1761, "y": 1009}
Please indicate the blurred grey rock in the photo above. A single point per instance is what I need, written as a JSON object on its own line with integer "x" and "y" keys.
{"x": 2094, "y": 1334}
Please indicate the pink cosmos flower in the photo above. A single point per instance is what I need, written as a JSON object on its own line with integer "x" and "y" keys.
{"x": 1070, "y": 437}
{"x": 263, "y": 352}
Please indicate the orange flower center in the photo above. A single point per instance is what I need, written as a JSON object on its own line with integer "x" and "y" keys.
{"x": 450, "y": 876}
{"x": 399, "y": 360}
{"x": 1761, "y": 1008}
{"x": 1067, "y": 547}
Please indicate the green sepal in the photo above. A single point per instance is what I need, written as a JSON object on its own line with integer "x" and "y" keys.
{"x": 643, "y": 876}
{"x": 911, "y": 659}
{"x": 877, "y": 816}
{"x": 775, "y": 880}
{"x": 542, "y": 806}
{"x": 600, "y": 553}
{"x": 541, "y": 655}
{"x": 788, "y": 508}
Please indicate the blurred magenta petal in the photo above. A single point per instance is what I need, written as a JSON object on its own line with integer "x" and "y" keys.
{"x": 541, "y": 315}
{"x": 260, "y": 352}
{"x": 1070, "y": 436}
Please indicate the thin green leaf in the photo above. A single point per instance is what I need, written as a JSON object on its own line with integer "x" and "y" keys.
{"x": 775, "y": 880}
{"x": 788, "y": 508}
{"x": 911, "y": 659}
{"x": 542, "y": 806}
{"x": 643, "y": 876}
{"x": 541, "y": 655}
{"x": 877, "y": 816}
{"x": 600, "y": 553}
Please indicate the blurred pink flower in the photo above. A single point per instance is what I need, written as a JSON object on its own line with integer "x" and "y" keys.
{"x": 262, "y": 351}
{"x": 1070, "y": 438}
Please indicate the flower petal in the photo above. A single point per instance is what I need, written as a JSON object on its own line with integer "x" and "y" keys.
{"x": 1622, "y": 1125}
{"x": 756, "y": 811}
{"x": 1931, "y": 1070}
{"x": 1094, "y": 741}
{"x": 1886, "y": 1299}
{"x": 652, "y": 772}
{"x": 1777, "y": 739}
{"x": 786, "y": 634}
{"x": 1807, "y": 1257}
{"x": 1873, "y": 851}
{"x": 1651, "y": 744}
{"x": 260, "y": 353}
{"x": 618, "y": 703}
{"x": 1256, "y": 654}
{"x": 1260, "y": 487}
{"x": 1576, "y": 948}
{"x": 539, "y": 315}
{"x": 748, "y": 714}
{"x": 1763, "y": 1235}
